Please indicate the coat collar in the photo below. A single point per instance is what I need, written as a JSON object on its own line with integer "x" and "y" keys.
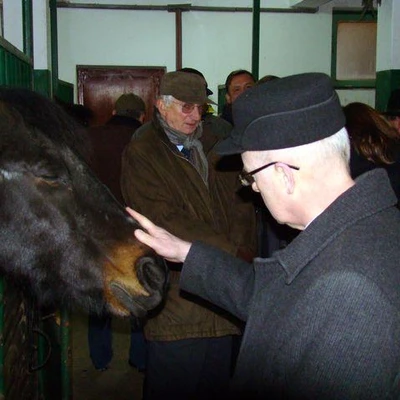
{"x": 372, "y": 193}
{"x": 208, "y": 139}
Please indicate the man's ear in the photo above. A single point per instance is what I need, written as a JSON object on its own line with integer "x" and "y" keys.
{"x": 160, "y": 106}
{"x": 228, "y": 98}
{"x": 287, "y": 177}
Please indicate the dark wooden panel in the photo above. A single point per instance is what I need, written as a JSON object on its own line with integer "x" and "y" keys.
{"x": 100, "y": 86}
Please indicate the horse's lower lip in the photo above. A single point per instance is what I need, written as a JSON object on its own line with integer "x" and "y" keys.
{"x": 127, "y": 300}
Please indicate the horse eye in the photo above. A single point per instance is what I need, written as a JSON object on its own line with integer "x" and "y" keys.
{"x": 50, "y": 180}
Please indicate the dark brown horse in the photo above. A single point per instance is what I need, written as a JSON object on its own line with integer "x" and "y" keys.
{"x": 62, "y": 232}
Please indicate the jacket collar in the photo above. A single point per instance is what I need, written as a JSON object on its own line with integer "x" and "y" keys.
{"x": 371, "y": 194}
{"x": 208, "y": 139}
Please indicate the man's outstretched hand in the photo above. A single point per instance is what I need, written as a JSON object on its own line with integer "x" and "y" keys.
{"x": 162, "y": 242}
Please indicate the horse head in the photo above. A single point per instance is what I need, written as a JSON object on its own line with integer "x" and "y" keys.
{"x": 62, "y": 231}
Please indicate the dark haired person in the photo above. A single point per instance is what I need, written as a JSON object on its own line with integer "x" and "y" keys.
{"x": 323, "y": 314}
{"x": 375, "y": 143}
{"x": 236, "y": 83}
{"x": 108, "y": 142}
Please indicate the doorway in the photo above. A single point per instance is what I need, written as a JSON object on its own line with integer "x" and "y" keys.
{"x": 100, "y": 86}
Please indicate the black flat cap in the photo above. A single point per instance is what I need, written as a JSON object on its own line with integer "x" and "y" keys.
{"x": 283, "y": 113}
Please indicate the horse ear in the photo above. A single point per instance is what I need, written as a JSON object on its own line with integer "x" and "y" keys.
{"x": 9, "y": 118}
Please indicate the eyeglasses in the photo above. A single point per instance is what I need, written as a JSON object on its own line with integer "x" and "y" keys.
{"x": 187, "y": 108}
{"x": 247, "y": 179}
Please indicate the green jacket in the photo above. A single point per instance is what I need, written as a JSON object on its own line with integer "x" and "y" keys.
{"x": 159, "y": 182}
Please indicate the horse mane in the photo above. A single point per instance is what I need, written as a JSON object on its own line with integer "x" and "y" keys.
{"x": 39, "y": 112}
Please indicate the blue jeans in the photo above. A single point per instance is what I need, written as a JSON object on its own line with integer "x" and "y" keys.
{"x": 100, "y": 342}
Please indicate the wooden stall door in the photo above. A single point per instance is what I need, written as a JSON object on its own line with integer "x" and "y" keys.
{"x": 100, "y": 86}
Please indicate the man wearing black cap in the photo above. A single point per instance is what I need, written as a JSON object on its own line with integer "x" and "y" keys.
{"x": 169, "y": 172}
{"x": 322, "y": 315}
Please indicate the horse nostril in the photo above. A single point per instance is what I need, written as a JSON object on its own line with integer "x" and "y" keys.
{"x": 152, "y": 273}
{"x": 126, "y": 298}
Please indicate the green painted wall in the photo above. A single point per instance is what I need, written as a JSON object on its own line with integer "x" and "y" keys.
{"x": 42, "y": 81}
{"x": 14, "y": 71}
{"x": 386, "y": 81}
{"x": 65, "y": 91}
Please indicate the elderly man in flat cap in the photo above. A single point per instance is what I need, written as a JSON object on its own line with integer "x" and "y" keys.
{"x": 323, "y": 314}
{"x": 169, "y": 172}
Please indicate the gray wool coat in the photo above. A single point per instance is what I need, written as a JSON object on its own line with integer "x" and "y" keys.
{"x": 323, "y": 315}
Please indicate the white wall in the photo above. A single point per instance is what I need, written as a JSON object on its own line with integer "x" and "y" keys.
{"x": 201, "y": 3}
{"x": 12, "y": 23}
{"x": 213, "y": 42}
{"x": 216, "y": 44}
{"x": 97, "y": 37}
{"x": 41, "y": 34}
{"x": 388, "y": 56}
{"x": 295, "y": 43}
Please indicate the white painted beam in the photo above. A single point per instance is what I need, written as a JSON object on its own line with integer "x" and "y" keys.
{"x": 308, "y": 3}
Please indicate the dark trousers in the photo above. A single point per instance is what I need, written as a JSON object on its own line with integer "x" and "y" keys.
{"x": 188, "y": 369}
{"x": 100, "y": 342}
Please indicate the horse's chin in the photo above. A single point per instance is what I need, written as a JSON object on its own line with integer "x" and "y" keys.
{"x": 128, "y": 304}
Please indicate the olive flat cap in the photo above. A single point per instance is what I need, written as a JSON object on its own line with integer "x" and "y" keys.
{"x": 185, "y": 86}
{"x": 197, "y": 72}
{"x": 283, "y": 113}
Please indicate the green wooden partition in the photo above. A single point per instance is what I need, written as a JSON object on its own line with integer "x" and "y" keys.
{"x": 15, "y": 67}
{"x": 34, "y": 356}
{"x": 65, "y": 91}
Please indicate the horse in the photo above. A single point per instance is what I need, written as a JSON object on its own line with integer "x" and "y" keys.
{"x": 62, "y": 231}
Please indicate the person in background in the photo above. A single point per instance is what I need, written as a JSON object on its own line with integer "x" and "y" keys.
{"x": 392, "y": 112}
{"x": 108, "y": 142}
{"x": 323, "y": 314}
{"x": 374, "y": 142}
{"x": 169, "y": 172}
{"x": 236, "y": 83}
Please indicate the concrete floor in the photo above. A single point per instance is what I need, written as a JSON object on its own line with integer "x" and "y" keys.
{"x": 119, "y": 382}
